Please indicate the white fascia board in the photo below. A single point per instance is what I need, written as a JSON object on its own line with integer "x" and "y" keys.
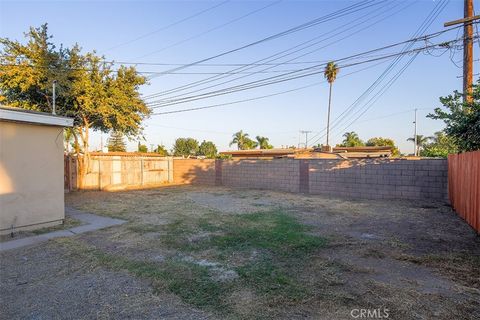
{"x": 37, "y": 118}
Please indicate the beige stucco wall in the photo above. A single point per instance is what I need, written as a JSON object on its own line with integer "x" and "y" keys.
{"x": 31, "y": 176}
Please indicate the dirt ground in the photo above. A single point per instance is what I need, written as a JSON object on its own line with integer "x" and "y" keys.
{"x": 206, "y": 253}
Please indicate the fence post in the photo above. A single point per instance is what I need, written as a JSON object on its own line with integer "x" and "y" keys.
{"x": 141, "y": 168}
{"x": 99, "y": 174}
{"x": 170, "y": 169}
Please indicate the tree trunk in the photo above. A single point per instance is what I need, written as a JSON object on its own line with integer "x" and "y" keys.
{"x": 83, "y": 162}
{"x": 328, "y": 117}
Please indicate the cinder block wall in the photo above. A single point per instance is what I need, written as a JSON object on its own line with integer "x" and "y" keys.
{"x": 194, "y": 171}
{"x": 279, "y": 174}
{"x": 379, "y": 178}
{"x": 363, "y": 179}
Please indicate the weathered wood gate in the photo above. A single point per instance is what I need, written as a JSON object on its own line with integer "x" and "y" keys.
{"x": 119, "y": 171}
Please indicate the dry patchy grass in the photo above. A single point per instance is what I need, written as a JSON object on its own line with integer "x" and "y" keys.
{"x": 253, "y": 254}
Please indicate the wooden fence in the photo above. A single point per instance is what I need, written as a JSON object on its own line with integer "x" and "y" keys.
{"x": 120, "y": 171}
{"x": 464, "y": 186}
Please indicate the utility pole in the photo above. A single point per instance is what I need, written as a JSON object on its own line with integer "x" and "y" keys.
{"x": 305, "y": 132}
{"x": 54, "y": 97}
{"x": 467, "y": 21}
{"x": 415, "y": 135}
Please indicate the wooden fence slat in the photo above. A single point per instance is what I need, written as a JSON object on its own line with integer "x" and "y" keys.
{"x": 464, "y": 186}
{"x": 119, "y": 172}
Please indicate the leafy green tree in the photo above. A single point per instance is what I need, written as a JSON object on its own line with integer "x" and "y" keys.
{"x": 224, "y": 156}
{"x": 142, "y": 148}
{"x": 161, "y": 150}
{"x": 421, "y": 142}
{"x": 351, "y": 139}
{"x": 88, "y": 89}
{"x": 383, "y": 142}
{"x": 263, "y": 143}
{"x": 249, "y": 144}
{"x": 462, "y": 119}
{"x": 28, "y": 71}
{"x": 185, "y": 147}
{"x": 240, "y": 139}
{"x": 330, "y": 73}
{"x": 207, "y": 149}
{"x": 67, "y": 139}
{"x": 441, "y": 146}
{"x": 116, "y": 143}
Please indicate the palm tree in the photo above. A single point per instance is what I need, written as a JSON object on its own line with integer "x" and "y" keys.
{"x": 352, "y": 140}
{"x": 330, "y": 73}
{"x": 263, "y": 143}
{"x": 421, "y": 141}
{"x": 240, "y": 139}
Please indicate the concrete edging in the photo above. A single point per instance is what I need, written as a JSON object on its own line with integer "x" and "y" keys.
{"x": 92, "y": 222}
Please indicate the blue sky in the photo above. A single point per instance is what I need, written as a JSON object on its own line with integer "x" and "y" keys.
{"x": 109, "y": 27}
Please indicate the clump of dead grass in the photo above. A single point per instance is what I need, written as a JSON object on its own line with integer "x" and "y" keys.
{"x": 462, "y": 267}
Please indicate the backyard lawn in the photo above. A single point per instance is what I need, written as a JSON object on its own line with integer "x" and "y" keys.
{"x": 205, "y": 253}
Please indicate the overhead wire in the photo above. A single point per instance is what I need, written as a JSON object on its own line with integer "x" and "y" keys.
{"x": 431, "y": 17}
{"x": 177, "y": 43}
{"x": 334, "y": 15}
{"x": 271, "y": 57}
{"x": 168, "y": 26}
{"x": 277, "y": 79}
{"x": 248, "y": 66}
{"x": 261, "y": 97}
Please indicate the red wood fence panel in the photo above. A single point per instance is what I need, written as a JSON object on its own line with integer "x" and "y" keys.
{"x": 464, "y": 186}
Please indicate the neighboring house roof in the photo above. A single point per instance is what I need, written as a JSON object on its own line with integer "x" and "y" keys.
{"x": 261, "y": 152}
{"x": 33, "y": 117}
{"x": 338, "y": 153}
{"x": 126, "y": 154}
{"x": 362, "y": 149}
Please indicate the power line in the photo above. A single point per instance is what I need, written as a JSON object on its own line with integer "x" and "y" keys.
{"x": 169, "y": 26}
{"x": 211, "y": 29}
{"x": 346, "y": 58}
{"x": 377, "y": 82}
{"x": 432, "y": 17}
{"x": 280, "y": 78}
{"x": 271, "y": 58}
{"x": 422, "y": 28}
{"x": 334, "y": 15}
{"x": 246, "y": 67}
{"x": 261, "y": 97}
{"x": 393, "y": 114}
{"x": 143, "y": 72}
{"x": 374, "y": 99}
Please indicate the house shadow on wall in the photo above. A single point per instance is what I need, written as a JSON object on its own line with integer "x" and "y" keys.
{"x": 363, "y": 178}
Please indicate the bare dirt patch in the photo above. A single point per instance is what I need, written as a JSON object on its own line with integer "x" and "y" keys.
{"x": 249, "y": 254}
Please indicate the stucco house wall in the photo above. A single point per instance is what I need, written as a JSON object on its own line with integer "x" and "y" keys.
{"x": 31, "y": 175}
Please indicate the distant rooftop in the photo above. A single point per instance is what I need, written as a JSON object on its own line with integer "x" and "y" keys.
{"x": 337, "y": 153}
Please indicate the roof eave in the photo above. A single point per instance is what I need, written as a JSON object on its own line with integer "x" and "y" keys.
{"x": 34, "y": 118}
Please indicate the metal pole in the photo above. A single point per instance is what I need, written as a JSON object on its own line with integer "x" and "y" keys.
{"x": 54, "y": 97}
{"x": 415, "y": 135}
{"x": 305, "y": 132}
